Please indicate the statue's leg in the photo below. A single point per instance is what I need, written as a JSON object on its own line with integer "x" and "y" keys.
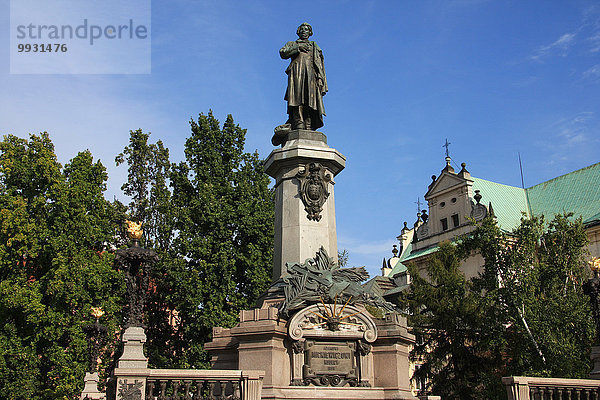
{"x": 296, "y": 117}
{"x": 307, "y": 119}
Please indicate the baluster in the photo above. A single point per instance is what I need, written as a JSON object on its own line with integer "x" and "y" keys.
{"x": 163, "y": 389}
{"x": 542, "y": 392}
{"x": 211, "y": 390}
{"x": 186, "y": 393}
{"x": 235, "y": 385}
{"x": 222, "y": 385}
{"x": 175, "y": 395}
{"x": 149, "y": 390}
{"x": 199, "y": 385}
{"x": 569, "y": 393}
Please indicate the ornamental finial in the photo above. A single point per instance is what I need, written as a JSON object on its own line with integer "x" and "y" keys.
{"x": 134, "y": 230}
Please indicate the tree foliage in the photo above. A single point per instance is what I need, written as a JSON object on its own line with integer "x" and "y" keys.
{"x": 456, "y": 345}
{"x": 524, "y": 314}
{"x": 54, "y": 223}
{"x": 225, "y": 231}
{"x": 210, "y": 218}
{"x": 213, "y": 229}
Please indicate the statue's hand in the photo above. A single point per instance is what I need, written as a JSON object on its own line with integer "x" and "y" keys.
{"x": 304, "y": 47}
{"x": 320, "y": 86}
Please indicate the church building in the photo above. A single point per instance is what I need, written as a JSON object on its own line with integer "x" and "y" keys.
{"x": 455, "y": 198}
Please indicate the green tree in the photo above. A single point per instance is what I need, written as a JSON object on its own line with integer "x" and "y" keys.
{"x": 147, "y": 185}
{"x": 524, "y": 314}
{"x": 536, "y": 275}
{"x": 225, "y": 232}
{"x": 457, "y": 346}
{"x": 213, "y": 230}
{"x": 54, "y": 223}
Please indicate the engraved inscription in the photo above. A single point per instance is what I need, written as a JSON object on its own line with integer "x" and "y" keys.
{"x": 331, "y": 359}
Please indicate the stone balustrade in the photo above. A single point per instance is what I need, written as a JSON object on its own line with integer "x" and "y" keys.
{"x": 534, "y": 388}
{"x": 183, "y": 384}
{"x": 203, "y": 384}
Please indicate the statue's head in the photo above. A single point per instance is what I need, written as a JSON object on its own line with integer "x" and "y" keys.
{"x": 304, "y": 30}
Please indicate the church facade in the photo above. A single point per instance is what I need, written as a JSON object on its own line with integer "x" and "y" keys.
{"x": 456, "y": 198}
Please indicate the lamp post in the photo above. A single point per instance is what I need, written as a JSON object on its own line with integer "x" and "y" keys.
{"x": 136, "y": 262}
{"x": 96, "y": 334}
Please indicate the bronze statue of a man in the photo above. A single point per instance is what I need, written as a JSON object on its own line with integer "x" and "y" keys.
{"x": 307, "y": 83}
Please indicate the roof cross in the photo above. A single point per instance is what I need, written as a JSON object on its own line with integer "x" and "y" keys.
{"x": 446, "y": 145}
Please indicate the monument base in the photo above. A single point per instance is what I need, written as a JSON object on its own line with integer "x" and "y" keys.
{"x": 261, "y": 341}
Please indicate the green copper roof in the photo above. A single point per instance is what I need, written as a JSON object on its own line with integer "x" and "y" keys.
{"x": 577, "y": 192}
{"x": 399, "y": 267}
{"x": 419, "y": 253}
{"x": 508, "y": 202}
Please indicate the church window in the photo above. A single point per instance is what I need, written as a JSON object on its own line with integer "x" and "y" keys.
{"x": 444, "y": 222}
{"x": 455, "y": 220}
{"x": 453, "y": 200}
{"x": 442, "y": 204}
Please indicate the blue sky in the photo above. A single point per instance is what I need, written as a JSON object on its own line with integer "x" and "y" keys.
{"x": 494, "y": 77}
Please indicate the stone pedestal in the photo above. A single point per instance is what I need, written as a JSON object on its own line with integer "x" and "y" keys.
{"x": 261, "y": 341}
{"x": 130, "y": 381}
{"x": 595, "y": 356}
{"x": 90, "y": 390}
{"x": 296, "y": 236}
{"x": 391, "y": 355}
{"x": 133, "y": 349}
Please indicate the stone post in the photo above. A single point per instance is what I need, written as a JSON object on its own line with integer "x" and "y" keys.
{"x": 517, "y": 387}
{"x": 90, "y": 390}
{"x": 133, "y": 348}
{"x": 303, "y": 170}
{"x": 129, "y": 372}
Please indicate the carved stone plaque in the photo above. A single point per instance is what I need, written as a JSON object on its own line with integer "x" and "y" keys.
{"x": 330, "y": 363}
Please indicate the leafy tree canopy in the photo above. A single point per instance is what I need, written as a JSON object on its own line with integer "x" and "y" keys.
{"x": 54, "y": 225}
{"x": 211, "y": 219}
{"x": 524, "y": 314}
